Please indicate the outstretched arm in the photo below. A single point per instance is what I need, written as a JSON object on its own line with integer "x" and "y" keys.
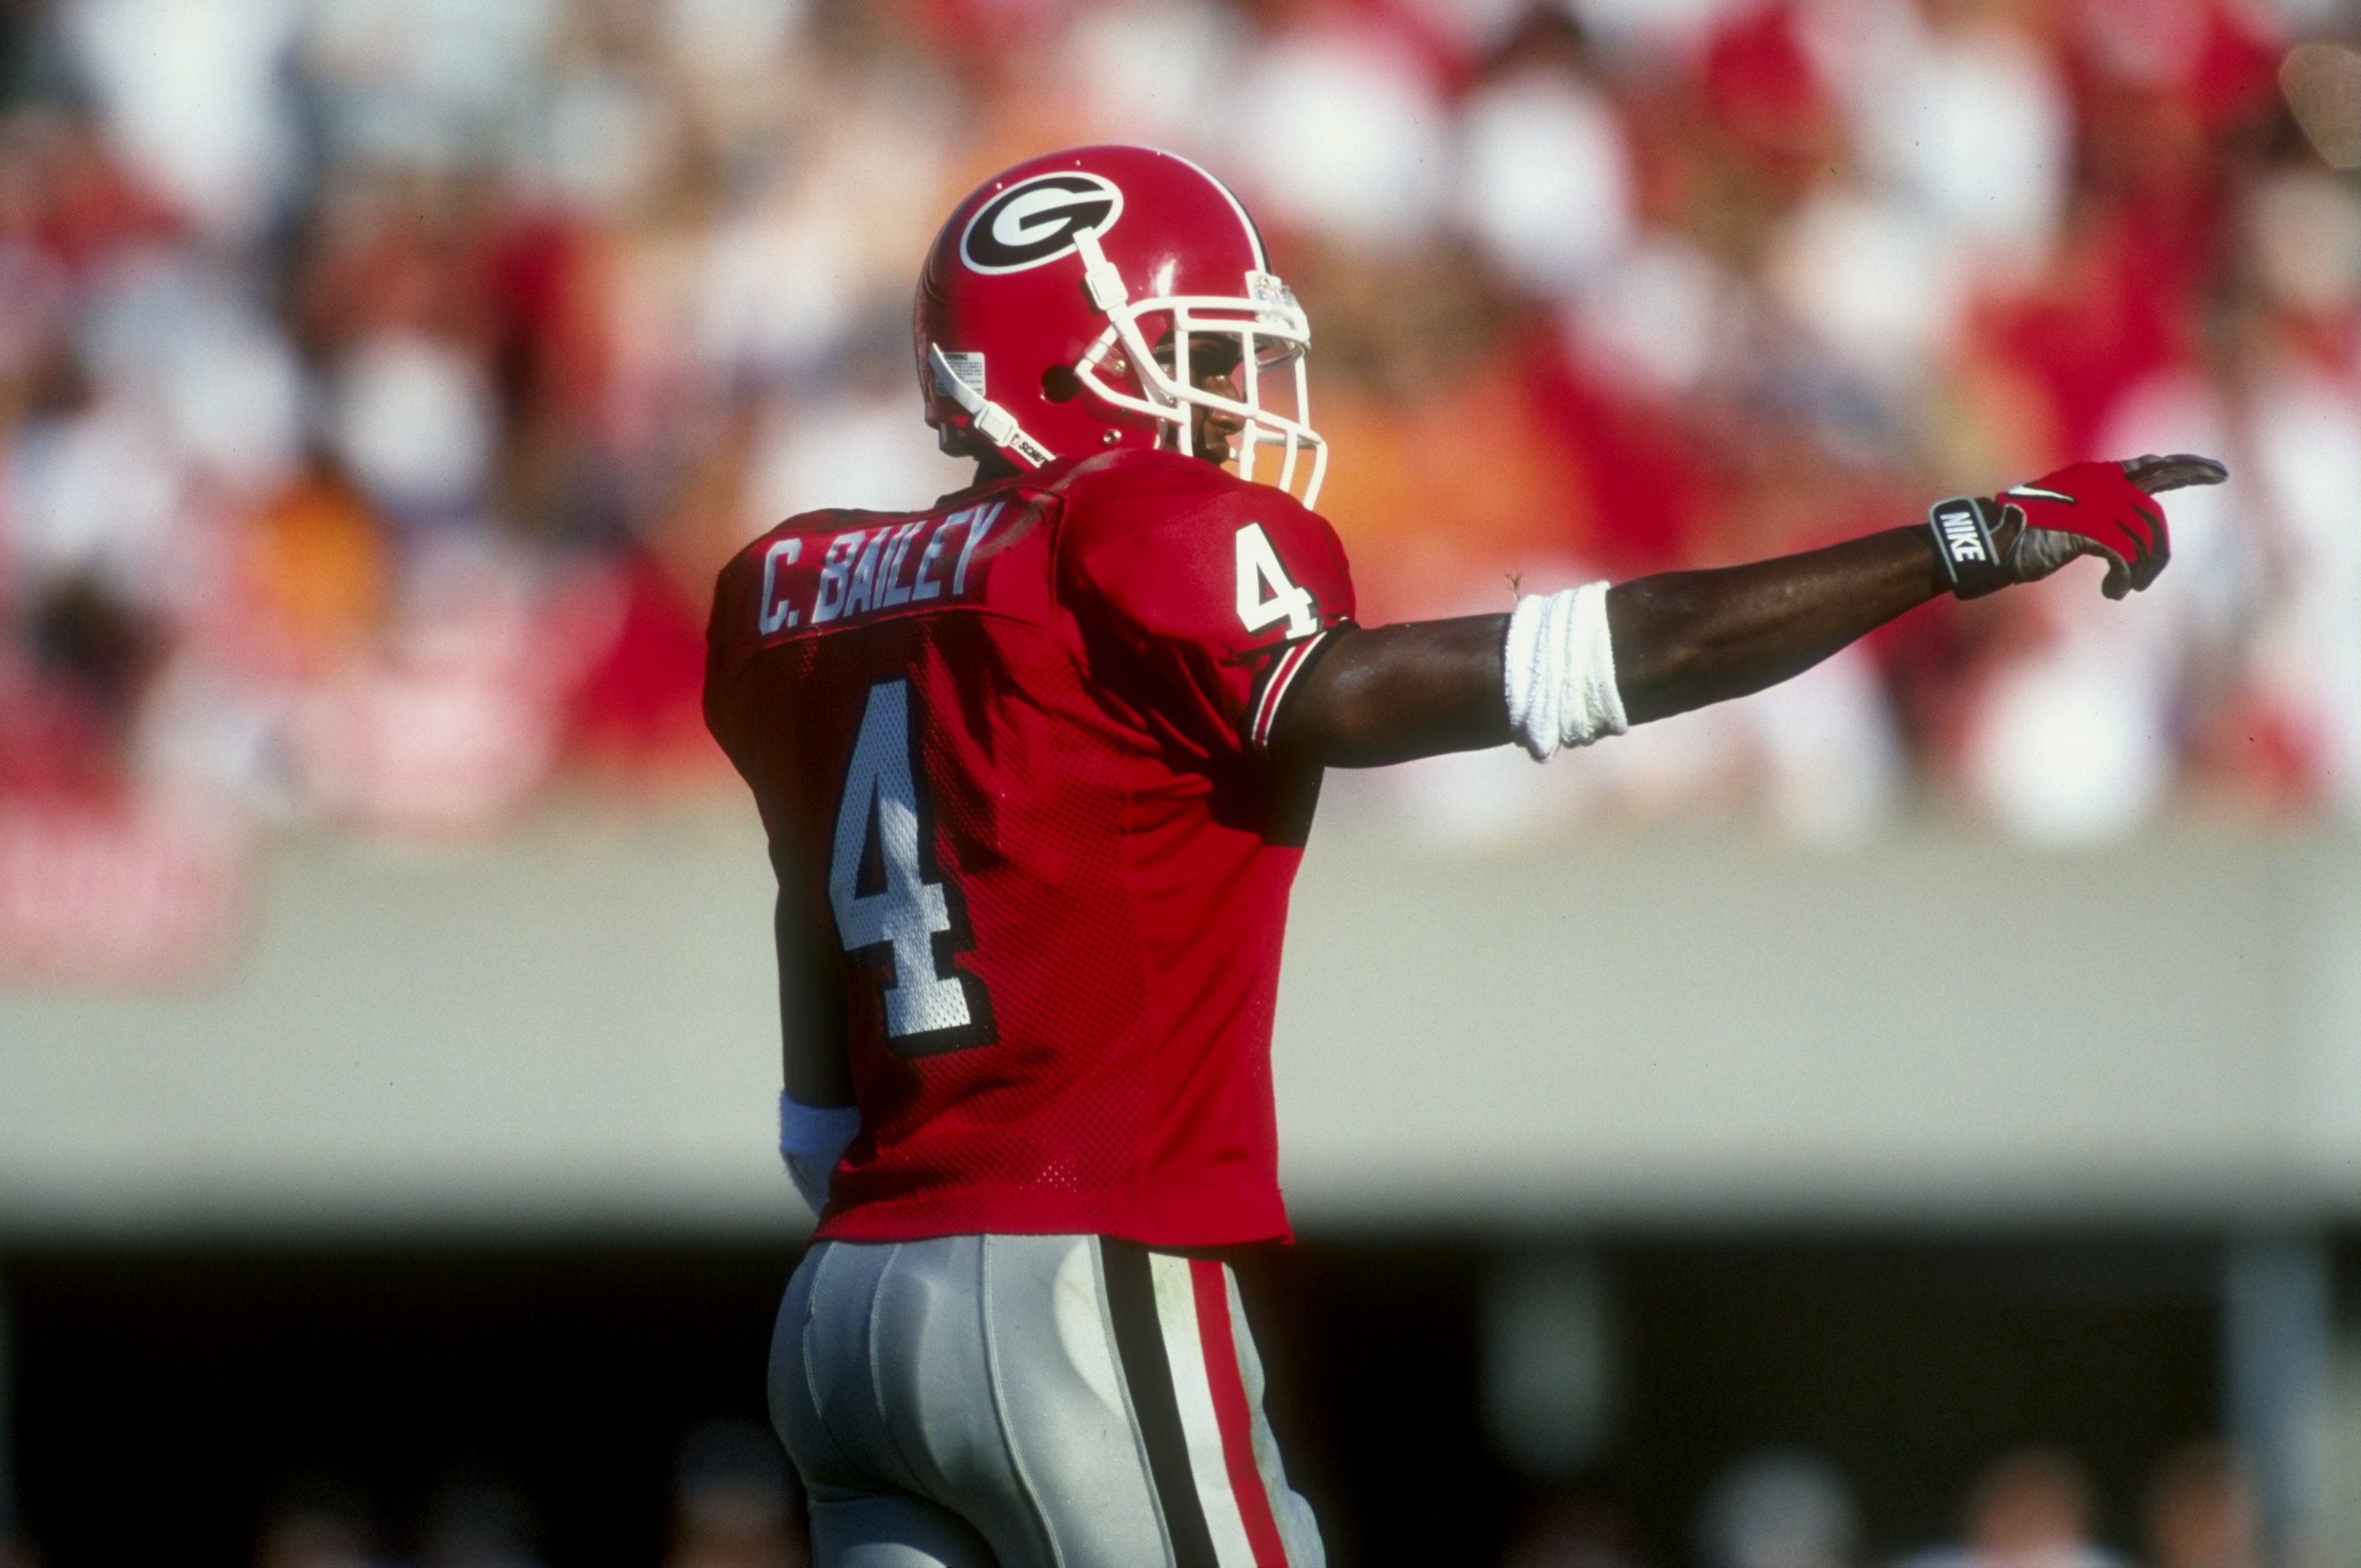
{"x": 1682, "y": 640}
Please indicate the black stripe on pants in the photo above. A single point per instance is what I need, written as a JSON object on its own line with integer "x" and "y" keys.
{"x": 1139, "y": 1343}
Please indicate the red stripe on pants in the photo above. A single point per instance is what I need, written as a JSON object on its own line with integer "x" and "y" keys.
{"x": 1230, "y": 1411}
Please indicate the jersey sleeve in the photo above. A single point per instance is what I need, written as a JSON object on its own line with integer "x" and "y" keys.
{"x": 1209, "y": 615}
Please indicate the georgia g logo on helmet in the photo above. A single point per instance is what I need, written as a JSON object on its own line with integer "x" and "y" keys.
{"x": 1036, "y": 220}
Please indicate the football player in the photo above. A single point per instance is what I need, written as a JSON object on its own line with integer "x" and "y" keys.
{"x": 1037, "y": 764}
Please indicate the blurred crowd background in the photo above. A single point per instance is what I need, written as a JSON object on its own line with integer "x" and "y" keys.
{"x": 1542, "y": 1402}
{"x": 735, "y": 1504}
{"x": 382, "y": 381}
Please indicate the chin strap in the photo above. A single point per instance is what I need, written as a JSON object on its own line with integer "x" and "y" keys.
{"x": 998, "y": 425}
{"x": 1100, "y": 278}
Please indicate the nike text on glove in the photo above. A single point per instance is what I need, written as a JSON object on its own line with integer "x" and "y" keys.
{"x": 2107, "y": 509}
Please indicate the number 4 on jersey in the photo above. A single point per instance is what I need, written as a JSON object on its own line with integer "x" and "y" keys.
{"x": 1266, "y": 593}
{"x": 889, "y": 910}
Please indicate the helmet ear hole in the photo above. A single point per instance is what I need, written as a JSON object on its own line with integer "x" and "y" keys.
{"x": 1061, "y": 384}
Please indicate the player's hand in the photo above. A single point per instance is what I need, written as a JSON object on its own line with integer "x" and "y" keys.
{"x": 2106, "y": 510}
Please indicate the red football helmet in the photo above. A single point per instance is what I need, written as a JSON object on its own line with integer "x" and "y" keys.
{"x": 1062, "y": 304}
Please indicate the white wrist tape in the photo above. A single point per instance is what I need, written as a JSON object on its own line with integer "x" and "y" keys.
{"x": 1560, "y": 671}
{"x": 812, "y": 1138}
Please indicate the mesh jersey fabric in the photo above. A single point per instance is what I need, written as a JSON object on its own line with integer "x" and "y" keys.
{"x": 1008, "y": 753}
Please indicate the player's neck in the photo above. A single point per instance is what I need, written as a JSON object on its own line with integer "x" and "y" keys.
{"x": 994, "y": 466}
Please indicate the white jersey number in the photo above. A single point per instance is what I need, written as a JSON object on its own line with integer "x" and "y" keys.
{"x": 1266, "y": 593}
{"x": 890, "y": 912}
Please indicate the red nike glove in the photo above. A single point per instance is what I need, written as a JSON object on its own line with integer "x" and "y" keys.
{"x": 2106, "y": 510}
{"x": 2086, "y": 509}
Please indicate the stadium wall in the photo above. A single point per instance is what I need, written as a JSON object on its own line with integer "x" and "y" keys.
{"x": 571, "y": 1029}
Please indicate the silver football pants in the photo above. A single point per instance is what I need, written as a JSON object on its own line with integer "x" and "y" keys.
{"x": 1023, "y": 1402}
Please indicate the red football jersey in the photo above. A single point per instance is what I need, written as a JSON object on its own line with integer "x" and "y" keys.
{"x": 1009, "y": 752}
